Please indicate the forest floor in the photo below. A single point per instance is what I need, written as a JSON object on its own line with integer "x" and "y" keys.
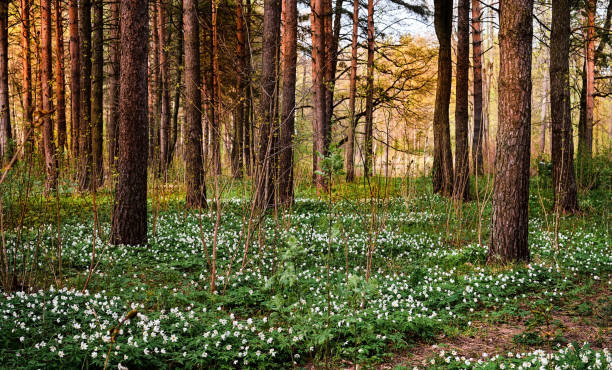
{"x": 384, "y": 275}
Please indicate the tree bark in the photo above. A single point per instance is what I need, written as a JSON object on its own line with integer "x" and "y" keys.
{"x": 585, "y": 131}
{"x": 129, "y": 222}
{"x": 562, "y": 152}
{"x": 97, "y": 95}
{"x": 26, "y": 70}
{"x": 164, "y": 131}
{"x": 194, "y": 170}
{"x": 154, "y": 95}
{"x": 60, "y": 83}
{"x": 85, "y": 122}
{"x": 368, "y": 163}
{"x": 112, "y": 140}
{"x": 75, "y": 78}
{"x": 443, "y": 159}
{"x": 215, "y": 124}
{"x": 267, "y": 158}
{"x": 5, "y": 116}
{"x": 477, "y": 138}
{"x": 289, "y": 54}
{"x": 238, "y": 137}
{"x": 174, "y": 132}
{"x": 350, "y": 143}
{"x": 46, "y": 78}
{"x": 461, "y": 181}
{"x": 319, "y": 90}
{"x": 509, "y": 221}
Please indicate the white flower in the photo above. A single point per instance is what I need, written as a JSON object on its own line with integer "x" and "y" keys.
{"x": 60, "y": 354}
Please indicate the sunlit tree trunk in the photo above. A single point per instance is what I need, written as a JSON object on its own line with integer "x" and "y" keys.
{"x": 477, "y": 138}
{"x": 369, "y": 114}
{"x": 97, "y": 139}
{"x": 461, "y": 181}
{"x": 509, "y": 221}
{"x": 5, "y": 116}
{"x": 129, "y": 221}
{"x": 443, "y": 161}
{"x": 194, "y": 170}
{"x": 289, "y": 55}
{"x": 46, "y": 77}
{"x": 350, "y": 142}
{"x": 85, "y": 122}
{"x": 60, "y": 83}
{"x": 75, "y": 78}
{"x": 562, "y": 151}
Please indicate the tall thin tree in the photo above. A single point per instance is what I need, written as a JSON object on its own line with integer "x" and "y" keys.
{"x": 368, "y": 164}
{"x": 461, "y": 181}
{"x": 350, "y": 141}
{"x": 562, "y": 152}
{"x": 289, "y": 54}
{"x": 46, "y": 77}
{"x": 509, "y": 221}
{"x": 60, "y": 83}
{"x": 194, "y": 170}
{"x": 112, "y": 127}
{"x": 97, "y": 99}
{"x": 85, "y": 122}
{"x": 319, "y": 90}
{"x": 477, "y": 138}
{"x": 164, "y": 132}
{"x": 129, "y": 222}
{"x": 5, "y": 116}
{"x": 75, "y": 77}
{"x": 267, "y": 157}
{"x": 442, "y": 171}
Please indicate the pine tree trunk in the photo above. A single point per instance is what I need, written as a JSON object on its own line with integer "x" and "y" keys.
{"x": 544, "y": 114}
{"x": 267, "y": 158}
{"x": 75, "y": 78}
{"x": 215, "y": 124}
{"x": 85, "y": 122}
{"x": 238, "y": 135}
{"x": 154, "y": 95}
{"x": 461, "y": 180}
{"x": 26, "y": 70}
{"x": 319, "y": 90}
{"x": 289, "y": 54}
{"x": 562, "y": 152}
{"x": 164, "y": 131}
{"x": 350, "y": 142}
{"x": 5, "y": 116}
{"x": 174, "y": 132}
{"x": 60, "y": 83}
{"x": 129, "y": 222}
{"x": 509, "y": 221}
{"x": 112, "y": 140}
{"x": 477, "y": 162}
{"x": 46, "y": 78}
{"x": 194, "y": 170}
{"x": 369, "y": 117}
{"x": 443, "y": 158}
{"x": 97, "y": 95}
